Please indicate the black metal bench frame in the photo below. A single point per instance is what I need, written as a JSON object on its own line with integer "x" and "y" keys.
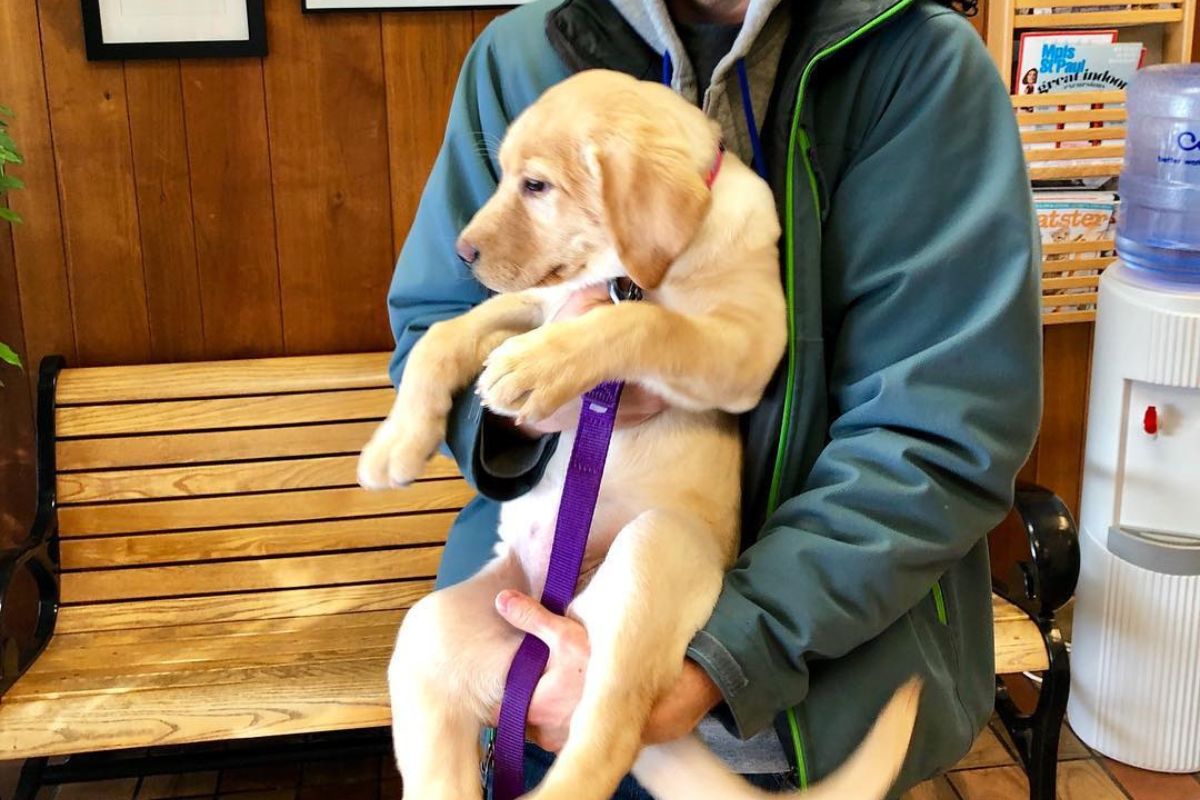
{"x": 1040, "y": 583}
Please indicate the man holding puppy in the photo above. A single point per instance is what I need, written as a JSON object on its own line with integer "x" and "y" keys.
{"x": 887, "y": 445}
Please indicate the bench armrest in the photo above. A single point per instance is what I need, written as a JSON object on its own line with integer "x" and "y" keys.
{"x": 37, "y": 555}
{"x": 19, "y": 646}
{"x": 1035, "y": 553}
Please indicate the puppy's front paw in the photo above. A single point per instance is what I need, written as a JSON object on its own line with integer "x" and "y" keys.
{"x": 397, "y": 453}
{"x": 531, "y": 376}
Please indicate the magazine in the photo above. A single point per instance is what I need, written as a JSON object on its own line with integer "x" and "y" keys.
{"x": 1042, "y": 54}
{"x": 1057, "y": 62}
{"x": 1048, "y": 64}
{"x": 1074, "y": 217}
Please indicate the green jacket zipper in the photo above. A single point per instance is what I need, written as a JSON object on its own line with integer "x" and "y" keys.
{"x": 799, "y": 135}
{"x": 939, "y": 602}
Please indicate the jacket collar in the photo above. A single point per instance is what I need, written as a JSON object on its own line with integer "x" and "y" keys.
{"x": 592, "y": 34}
{"x": 631, "y": 35}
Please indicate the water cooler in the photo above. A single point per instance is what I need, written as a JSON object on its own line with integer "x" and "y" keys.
{"x": 1135, "y": 691}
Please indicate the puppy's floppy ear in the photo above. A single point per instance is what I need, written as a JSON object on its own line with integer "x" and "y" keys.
{"x": 653, "y": 199}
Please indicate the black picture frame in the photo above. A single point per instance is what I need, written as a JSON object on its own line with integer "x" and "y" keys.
{"x": 416, "y": 5}
{"x": 99, "y": 50}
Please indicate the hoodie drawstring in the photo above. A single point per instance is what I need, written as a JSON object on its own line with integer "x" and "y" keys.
{"x": 759, "y": 163}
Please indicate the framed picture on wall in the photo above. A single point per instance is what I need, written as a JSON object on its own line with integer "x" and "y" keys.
{"x": 118, "y": 29}
{"x": 384, "y": 5}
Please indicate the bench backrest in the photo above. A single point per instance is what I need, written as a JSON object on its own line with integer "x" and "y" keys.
{"x": 226, "y": 490}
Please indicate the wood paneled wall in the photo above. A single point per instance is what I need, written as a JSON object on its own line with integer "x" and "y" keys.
{"x": 212, "y": 209}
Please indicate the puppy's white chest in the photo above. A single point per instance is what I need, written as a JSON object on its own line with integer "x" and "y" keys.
{"x": 527, "y": 524}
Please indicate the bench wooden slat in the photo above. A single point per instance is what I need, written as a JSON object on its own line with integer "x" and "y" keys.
{"x": 222, "y": 378}
{"x": 345, "y": 438}
{"x": 244, "y": 576}
{"x": 255, "y": 633}
{"x": 231, "y": 478}
{"x": 309, "y": 697}
{"x": 278, "y": 605}
{"x": 258, "y": 666}
{"x": 1019, "y": 644}
{"x": 251, "y": 509}
{"x": 199, "y": 655}
{"x": 114, "y": 652}
{"x": 270, "y": 540}
{"x": 224, "y": 413}
{"x": 1004, "y": 611}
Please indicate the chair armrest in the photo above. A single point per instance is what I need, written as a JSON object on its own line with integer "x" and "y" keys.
{"x": 1035, "y": 553}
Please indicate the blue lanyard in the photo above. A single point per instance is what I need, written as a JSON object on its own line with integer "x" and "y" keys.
{"x": 760, "y": 161}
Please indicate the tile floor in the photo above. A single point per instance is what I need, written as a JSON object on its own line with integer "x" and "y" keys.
{"x": 989, "y": 772}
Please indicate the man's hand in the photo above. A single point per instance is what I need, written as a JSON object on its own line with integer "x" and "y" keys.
{"x": 558, "y": 692}
{"x": 637, "y": 403}
{"x": 676, "y": 714}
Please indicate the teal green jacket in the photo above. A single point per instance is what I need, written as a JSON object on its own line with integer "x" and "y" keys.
{"x": 887, "y": 445}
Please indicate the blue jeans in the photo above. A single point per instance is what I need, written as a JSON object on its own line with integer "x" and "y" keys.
{"x": 538, "y": 761}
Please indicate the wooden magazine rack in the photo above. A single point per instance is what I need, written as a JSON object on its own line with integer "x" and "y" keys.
{"x": 1071, "y": 270}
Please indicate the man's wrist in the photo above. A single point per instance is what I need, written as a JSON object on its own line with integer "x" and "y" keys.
{"x": 705, "y": 690}
{"x": 681, "y": 708}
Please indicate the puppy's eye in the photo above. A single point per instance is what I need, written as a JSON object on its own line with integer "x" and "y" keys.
{"x": 533, "y": 186}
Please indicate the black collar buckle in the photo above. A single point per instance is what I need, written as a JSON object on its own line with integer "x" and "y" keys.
{"x": 623, "y": 290}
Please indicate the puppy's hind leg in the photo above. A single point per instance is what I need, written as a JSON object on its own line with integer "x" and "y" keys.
{"x": 655, "y": 588}
{"x": 446, "y": 678}
{"x": 685, "y": 769}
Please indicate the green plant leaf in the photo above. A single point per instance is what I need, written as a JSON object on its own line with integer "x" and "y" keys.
{"x": 9, "y": 182}
{"x": 5, "y": 111}
{"x": 9, "y": 356}
{"x": 8, "y": 148}
{"x": 8, "y": 215}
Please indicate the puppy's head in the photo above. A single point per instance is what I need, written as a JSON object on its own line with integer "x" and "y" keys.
{"x": 603, "y": 176}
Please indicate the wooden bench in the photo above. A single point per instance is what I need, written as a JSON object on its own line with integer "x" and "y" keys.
{"x": 207, "y": 569}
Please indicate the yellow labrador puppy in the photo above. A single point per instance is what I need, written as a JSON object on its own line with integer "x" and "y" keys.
{"x": 604, "y": 177}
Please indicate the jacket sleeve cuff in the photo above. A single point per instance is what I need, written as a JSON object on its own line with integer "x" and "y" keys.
{"x": 498, "y": 461}
{"x": 756, "y": 682}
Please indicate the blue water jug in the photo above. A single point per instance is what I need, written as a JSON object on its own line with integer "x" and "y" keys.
{"x": 1158, "y": 225}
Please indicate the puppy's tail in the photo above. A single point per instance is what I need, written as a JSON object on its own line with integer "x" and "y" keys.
{"x": 687, "y": 770}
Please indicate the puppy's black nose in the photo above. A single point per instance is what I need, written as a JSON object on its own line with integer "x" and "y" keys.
{"x": 467, "y": 252}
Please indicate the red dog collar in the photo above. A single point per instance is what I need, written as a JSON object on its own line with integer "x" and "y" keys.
{"x": 716, "y": 167}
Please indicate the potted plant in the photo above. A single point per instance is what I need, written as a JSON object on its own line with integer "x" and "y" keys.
{"x": 8, "y": 155}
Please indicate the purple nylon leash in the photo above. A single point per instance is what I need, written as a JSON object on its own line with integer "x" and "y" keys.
{"x": 576, "y": 509}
